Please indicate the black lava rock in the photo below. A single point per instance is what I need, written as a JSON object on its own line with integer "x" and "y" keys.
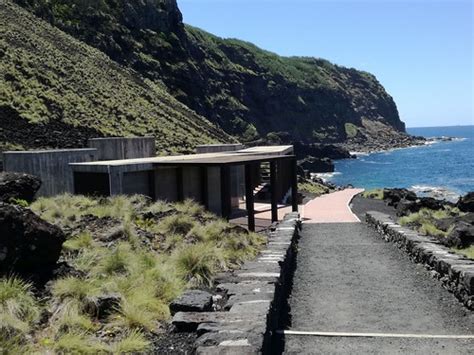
{"x": 461, "y": 236}
{"x": 466, "y": 202}
{"x": 28, "y": 244}
{"x": 393, "y": 196}
{"x": 192, "y": 301}
{"x": 317, "y": 165}
{"x": 18, "y": 186}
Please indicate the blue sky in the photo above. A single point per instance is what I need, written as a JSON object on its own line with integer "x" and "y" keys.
{"x": 420, "y": 50}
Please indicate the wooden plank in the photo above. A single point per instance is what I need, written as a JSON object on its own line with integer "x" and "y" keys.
{"x": 249, "y": 200}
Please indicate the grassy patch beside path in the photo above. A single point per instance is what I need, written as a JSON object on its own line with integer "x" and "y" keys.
{"x": 137, "y": 254}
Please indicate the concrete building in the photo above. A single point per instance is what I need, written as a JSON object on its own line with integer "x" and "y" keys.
{"x": 51, "y": 166}
{"x": 205, "y": 177}
{"x": 222, "y": 177}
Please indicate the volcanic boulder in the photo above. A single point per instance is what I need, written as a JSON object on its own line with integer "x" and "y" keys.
{"x": 466, "y": 202}
{"x": 18, "y": 186}
{"x": 28, "y": 244}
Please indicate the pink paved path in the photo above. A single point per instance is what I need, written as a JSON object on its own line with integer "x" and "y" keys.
{"x": 331, "y": 208}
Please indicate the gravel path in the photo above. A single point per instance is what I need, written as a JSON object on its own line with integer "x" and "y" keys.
{"x": 349, "y": 280}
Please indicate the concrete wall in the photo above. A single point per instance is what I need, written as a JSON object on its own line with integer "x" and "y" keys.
{"x": 166, "y": 184}
{"x": 236, "y": 172}
{"x": 137, "y": 182}
{"x": 214, "y": 189}
{"x": 192, "y": 183}
{"x": 124, "y": 148}
{"x": 52, "y": 166}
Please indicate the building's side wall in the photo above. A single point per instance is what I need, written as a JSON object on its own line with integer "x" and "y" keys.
{"x": 214, "y": 189}
{"x": 52, "y": 167}
{"x": 166, "y": 187}
{"x": 192, "y": 183}
{"x": 137, "y": 182}
{"x": 124, "y": 148}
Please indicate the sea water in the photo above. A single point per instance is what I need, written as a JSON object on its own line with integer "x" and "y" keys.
{"x": 444, "y": 168}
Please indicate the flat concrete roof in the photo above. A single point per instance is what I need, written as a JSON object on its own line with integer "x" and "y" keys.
{"x": 43, "y": 151}
{"x": 255, "y": 154}
{"x": 270, "y": 149}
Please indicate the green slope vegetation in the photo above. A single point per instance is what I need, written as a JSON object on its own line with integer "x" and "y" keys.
{"x": 249, "y": 92}
{"x": 56, "y": 91}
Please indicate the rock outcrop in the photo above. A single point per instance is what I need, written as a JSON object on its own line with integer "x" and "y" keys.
{"x": 466, "y": 202}
{"x": 18, "y": 186}
{"x": 249, "y": 92}
{"x": 27, "y": 243}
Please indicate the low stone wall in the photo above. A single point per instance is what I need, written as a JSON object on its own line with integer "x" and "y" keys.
{"x": 454, "y": 270}
{"x": 255, "y": 298}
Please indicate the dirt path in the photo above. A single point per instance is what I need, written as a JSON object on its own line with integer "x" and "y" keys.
{"x": 349, "y": 280}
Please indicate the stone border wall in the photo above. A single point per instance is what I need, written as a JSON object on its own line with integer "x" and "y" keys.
{"x": 255, "y": 299}
{"x": 454, "y": 270}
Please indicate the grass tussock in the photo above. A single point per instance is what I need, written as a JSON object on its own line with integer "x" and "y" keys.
{"x": 18, "y": 307}
{"x": 147, "y": 254}
{"x": 376, "y": 194}
{"x": 468, "y": 252}
{"x": 425, "y": 221}
{"x": 313, "y": 188}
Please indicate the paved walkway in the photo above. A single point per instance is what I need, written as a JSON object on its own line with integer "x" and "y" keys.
{"x": 331, "y": 208}
{"x": 349, "y": 280}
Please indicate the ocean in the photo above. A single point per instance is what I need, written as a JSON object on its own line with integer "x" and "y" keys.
{"x": 441, "y": 169}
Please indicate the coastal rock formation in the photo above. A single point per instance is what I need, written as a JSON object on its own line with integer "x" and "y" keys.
{"x": 330, "y": 151}
{"x": 57, "y": 91}
{"x": 317, "y": 165}
{"x": 393, "y": 196}
{"x": 27, "y": 243}
{"x": 466, "y": 202}
{"x": 249, "y": 92}
{"x": 18, "y": 186}
{"x": 461, "y": 236}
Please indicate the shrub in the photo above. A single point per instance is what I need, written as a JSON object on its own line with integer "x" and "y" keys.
{"x": 351, "y": 130}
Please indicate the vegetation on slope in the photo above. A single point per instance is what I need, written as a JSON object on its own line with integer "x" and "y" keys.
{"x": 62, "y": 92}
{"x": 127, "y": 259}
{"x": 249, "y": 92}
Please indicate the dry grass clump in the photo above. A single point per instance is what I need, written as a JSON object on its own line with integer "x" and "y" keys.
{"x": 152, "y": 252}
{"x": 18, "y": 307}
{"x": 376, "y": 194}
{"x": 424, "y": 221}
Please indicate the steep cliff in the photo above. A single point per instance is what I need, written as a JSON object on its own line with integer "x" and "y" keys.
{"x": 249, "y": 92}
{"x": 56, "y": 91}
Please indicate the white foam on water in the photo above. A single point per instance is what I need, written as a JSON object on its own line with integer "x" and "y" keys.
{"x": 439, "y": 192}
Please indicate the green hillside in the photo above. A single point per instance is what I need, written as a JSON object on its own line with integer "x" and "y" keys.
{"x": 249, "y": 92}
{"x": 56, "y": 91}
